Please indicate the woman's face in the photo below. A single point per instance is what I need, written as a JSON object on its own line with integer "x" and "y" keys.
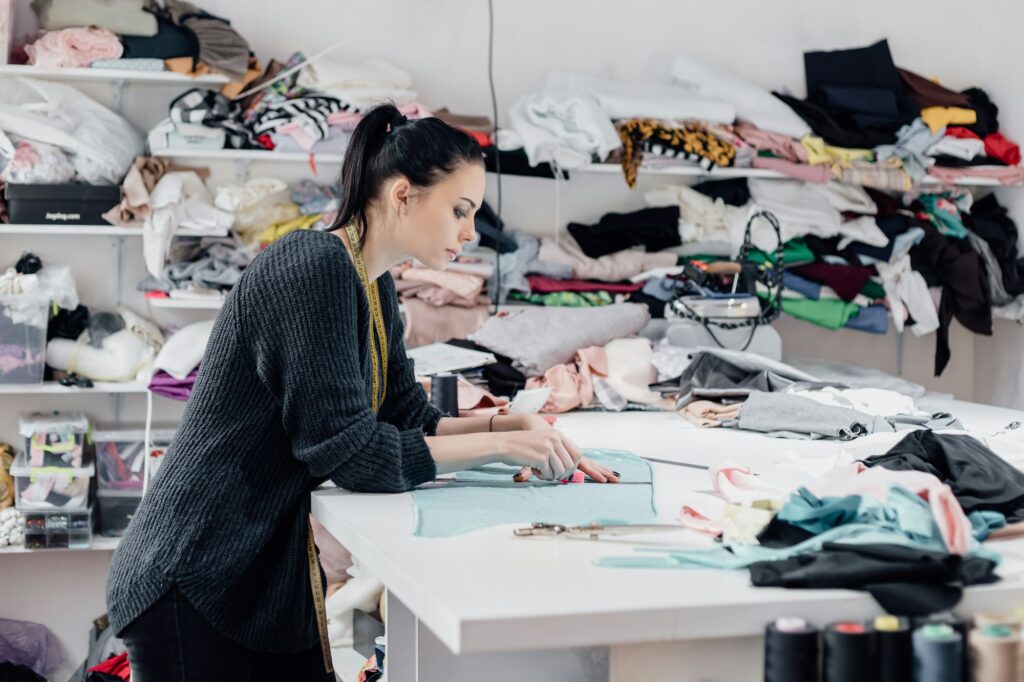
{"x": 436, "y": 223}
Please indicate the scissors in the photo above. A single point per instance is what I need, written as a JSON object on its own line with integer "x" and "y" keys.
{"x": 593, "y": 530}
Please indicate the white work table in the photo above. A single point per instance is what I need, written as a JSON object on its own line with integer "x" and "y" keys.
{"x": 488, "y": 605}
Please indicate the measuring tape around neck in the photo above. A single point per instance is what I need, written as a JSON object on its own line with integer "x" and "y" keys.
{"x": 378, "y": 335}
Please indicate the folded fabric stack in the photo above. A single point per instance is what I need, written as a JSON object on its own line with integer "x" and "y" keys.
{"x": 200, "y": 269}
{"x": 176, "y": 367}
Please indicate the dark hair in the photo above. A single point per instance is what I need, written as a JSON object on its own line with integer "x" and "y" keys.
{"x": 386, "y": 144}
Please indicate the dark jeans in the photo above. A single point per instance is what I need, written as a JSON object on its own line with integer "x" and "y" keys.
{"x": 171, "y": 642}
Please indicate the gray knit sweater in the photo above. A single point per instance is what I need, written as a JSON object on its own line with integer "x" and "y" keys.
{"x": 281, "y": 404}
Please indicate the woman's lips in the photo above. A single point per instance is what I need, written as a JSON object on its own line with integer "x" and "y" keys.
{"x": 452, "y": 255}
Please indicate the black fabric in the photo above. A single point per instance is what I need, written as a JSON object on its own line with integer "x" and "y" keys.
{"x": 928, "y": 93}
{"x": 779, "y": 534}
{"x": 502, "y": 378}
{"x": 171, "y": 641}
{"x": 980, "y": 479}
{"x": 986, "y": 110}
{"x": 9, "y": 672}
{"x": 892, "y": 226}
{"x": 904, "y": 581}
{"x": 833, "y": 129}
{"x": 655, "y": 305}
{"x": 946, "y": 161}
{"x": 489, "y": 226}
{"x": 990, "y": 221}
{"x": 28, "y": 264}
{"x": 733, "y": 191}
{"x": 169, "y": 42}
{"x": 653, "y": 228}
{"x": 515, "y": 162}
{"x": 68, "y": 324}
{"x": 965, "y": 294}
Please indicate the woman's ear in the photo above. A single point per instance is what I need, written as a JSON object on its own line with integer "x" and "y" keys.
{"x": 399, "y": 193}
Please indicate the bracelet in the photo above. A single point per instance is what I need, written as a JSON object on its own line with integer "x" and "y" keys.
{"x": 490, "y": 424}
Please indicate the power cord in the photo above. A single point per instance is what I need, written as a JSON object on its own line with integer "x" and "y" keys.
{"x": 497, "y": 155}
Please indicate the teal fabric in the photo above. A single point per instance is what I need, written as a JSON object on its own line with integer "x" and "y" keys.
{"x": 903, "y": 519}
{"x": 984, "y": 522}
{"x": 488, "y": 496}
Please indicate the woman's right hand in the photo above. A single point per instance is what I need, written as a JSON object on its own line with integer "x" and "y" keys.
{"x": 549, "y": 453}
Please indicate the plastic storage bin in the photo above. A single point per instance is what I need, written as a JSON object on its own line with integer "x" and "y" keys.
{"x": 55, "y": 439}
{"x": 58, "y": 529}
{"x": 116, "y": 508}
{"x": 51, "y": 488}
{"x": 119, "y": 461}
{"x": 23, "y": 320}
{"x": 70, "y": 204}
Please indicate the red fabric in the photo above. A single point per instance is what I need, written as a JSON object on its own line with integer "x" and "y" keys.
{"x": 115, "y": 665}
{"x": 540, "y": 284}
{"x": 157, "y": 294}
{"x": 482, "y": 138}
{"x": 1003, "y": 149}
{"x": 265, "y": 141}
{"x": 845, "y": 280}
{"x": 962, "y": 133}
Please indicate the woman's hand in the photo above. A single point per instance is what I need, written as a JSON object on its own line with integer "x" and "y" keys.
{"x": 547, "y": 454}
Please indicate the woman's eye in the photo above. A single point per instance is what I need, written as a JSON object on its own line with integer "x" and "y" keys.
{"x": 459, "y": 213}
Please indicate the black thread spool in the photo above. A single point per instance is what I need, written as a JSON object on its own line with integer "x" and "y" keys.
{"x": 444, "y": 393}
{"x": 895, "y": 649}
{"x": 850, "y": 653}
{"x": 938, "y": 654}
{"x": 790, "y": 651}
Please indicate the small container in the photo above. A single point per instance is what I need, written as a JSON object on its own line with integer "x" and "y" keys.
{"x": 57, "y": 488}
{"x": 23, "y": 320}
{"x": 68, "y": 204}
{"x": 116, "y": 509}
{"x": 55, "y": 439}
{"x": 58, "y": 529}
{"x": 119, "y": 460}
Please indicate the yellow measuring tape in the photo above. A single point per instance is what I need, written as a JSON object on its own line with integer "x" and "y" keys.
{"x": 379, "y": 359}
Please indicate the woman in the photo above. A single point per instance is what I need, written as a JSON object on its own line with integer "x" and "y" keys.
{"x": 305, "y": 379}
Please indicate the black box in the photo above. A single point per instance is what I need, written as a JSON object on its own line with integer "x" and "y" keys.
{"x": 116, "y": 509}
{"x": 75, "y": 204}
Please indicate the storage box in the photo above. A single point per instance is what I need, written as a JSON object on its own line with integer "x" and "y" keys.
{"x": 58, "y": 529}
{"x": 23, "y": 320}
{"x": 55, "y": 439}
{"x": 51, "y": 488}
{"x": 116, "y": 509}
{"x": 74, "y": 204}
{"x": 119, "y": 460}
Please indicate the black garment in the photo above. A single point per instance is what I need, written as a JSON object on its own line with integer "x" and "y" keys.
{"x": 946, "y": 161}
{"x": 281, "y": 404}
{"x": 10, "y": 672}
{"x": 990, "y": 221}
{"x": 987, "y": 111}
{"x": 28, "y": 264}
{"x": 655, "y": 305}
{"x": 502, "y": 378}
{"x": 965, "y": 294}
{"x": 169, "y": 42}
{"x": 68, "y": 324}
{"x": 733, "y": 191}
{"x": 516, "y": 162}
{"x": 980, "y": 479}
{"x": 904, "y": 581}
{"x": 654, "y": 228}
{"x": 489, "y": 226}
{"x": 928, "y": 93}
{"x": 892, "y": 226}
{"x": 171, "y": 641}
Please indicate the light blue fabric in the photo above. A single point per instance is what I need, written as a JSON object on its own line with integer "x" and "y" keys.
{"x": 872, "y": 318}
{"x": 903, "y": 519}
{"x": 488, "y": 496}
{"x": 661, "y": 288}
{"x": 795, "y": 282}
{"x": 984, "y": 522}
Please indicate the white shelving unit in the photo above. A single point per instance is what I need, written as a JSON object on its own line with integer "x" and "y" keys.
{"x": 94, "y": 231}
{"x": 186, "y": 303}
{"x": 110, "y": 75}
{"x": 54, "y": 388}
{"x": 100, "y": 543}
{"x": 248, "y": 155}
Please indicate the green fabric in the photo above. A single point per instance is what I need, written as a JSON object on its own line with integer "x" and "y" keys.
{"x": 825, "y": 312}
{"x": 945, "y": 218}
{"x": 568, "y": 299}
{"x": 873, "y": 290}
{"x": 794, "y": 252}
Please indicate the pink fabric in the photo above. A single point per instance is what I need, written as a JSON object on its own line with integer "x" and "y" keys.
{"x": 703, "y": 513}
{"x": 572, "y": 384}
{"x": 706, "y": 414}
{"x": 738, "y": 484}
{"x": 818, "y": 173}
{"x": 539, "y": 284}
{"x": 435, "y": 295}
{"x": 349, "y": 120}
{"x": 475, "y": 401}
{"x": 1006, "y": 175}
{"x": 466, "y": 286}
{"x": 72, "y": 47}
{"x": 335, "y": 559}
{"x": 782, "y": 145}
{"x": 426, "y": 323}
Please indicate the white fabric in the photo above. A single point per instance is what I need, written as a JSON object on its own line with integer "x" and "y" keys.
{"x": 863, "y": 229}
{"x": 122, "y": 356}
{"x": 564, "y": 128}
{"x": 621, "y": 99}
{"x": 180, "y": 199}
{"x": 906, "y": 290}
{"x": 965, "y": 149}
{"x": 799, "y": 208}
{"x": 630, "y": 369}
{"x": 753, "y": 103}
{"x": 873, "y": 401}
{"x": 845, "y": 197}
{"x": 364, "y": 85}
{"x": 102, "y": 145}
{"x": 183, "y": 351}
{"x": 362, "y": 591}
{"x": 704, "y": 219}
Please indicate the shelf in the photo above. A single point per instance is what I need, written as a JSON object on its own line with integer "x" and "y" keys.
{"x": 698, "y": 172}
{"x": 100, "y": 543}
{"x": 54, "y": 388}
{"x": 95, "y": 231}
{"x": 247, "y": 155}
{"x": 127, "y": 75}
{"x": 186, "y": 303}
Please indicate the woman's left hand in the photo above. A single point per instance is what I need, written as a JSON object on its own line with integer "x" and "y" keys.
{"x": 597, "y": 472}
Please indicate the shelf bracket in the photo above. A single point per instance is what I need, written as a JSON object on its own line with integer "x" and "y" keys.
{"x": 243, "y": 168}
{"x": 117, "y": 95}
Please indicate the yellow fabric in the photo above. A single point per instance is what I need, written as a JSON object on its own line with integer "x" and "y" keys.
{"x": 938, "y": 118}
{"x": 819, "y": 152}
{"x": 278, "y": 230}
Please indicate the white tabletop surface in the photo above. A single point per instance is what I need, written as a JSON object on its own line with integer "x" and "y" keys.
{"x": 489, "y": 591}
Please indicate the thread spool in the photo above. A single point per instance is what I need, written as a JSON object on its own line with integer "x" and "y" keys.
{"x": 895, "y": 649}
{"x": 444, "y": 393}
{"x": 995, "y": 653}
{"x": 850, "y": 653}
{"x": 983, "y": 619}
{"x": 790, "y": 651}
{"x": 938, "y": 653}
{"x": 960, "y": 626}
